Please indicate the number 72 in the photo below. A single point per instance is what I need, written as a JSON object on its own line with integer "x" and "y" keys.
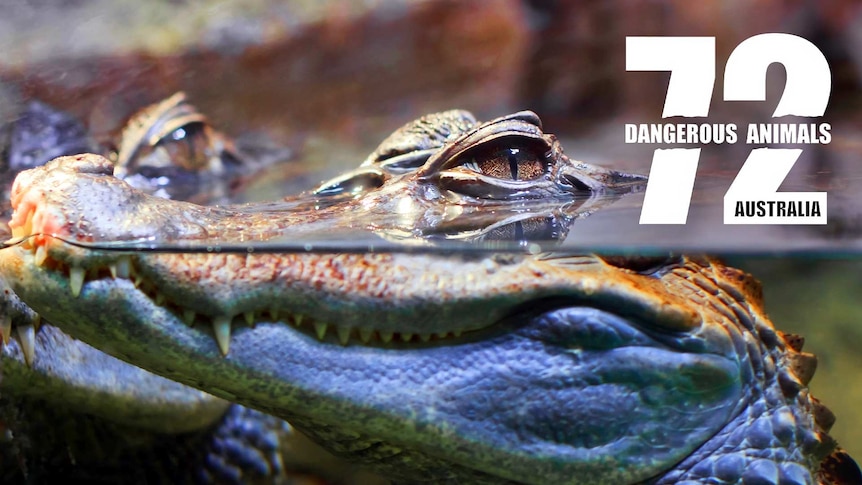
{"x": 691, "y": 62}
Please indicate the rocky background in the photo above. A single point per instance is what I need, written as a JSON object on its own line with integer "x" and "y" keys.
{"x": 329, "y": 79}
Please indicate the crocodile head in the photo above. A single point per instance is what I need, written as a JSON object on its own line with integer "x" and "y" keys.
{"x": 76, "y": 413}
{"x": 478, "y": 368}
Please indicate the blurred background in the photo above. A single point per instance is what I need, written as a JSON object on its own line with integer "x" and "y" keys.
{"x": 330, "y": 79}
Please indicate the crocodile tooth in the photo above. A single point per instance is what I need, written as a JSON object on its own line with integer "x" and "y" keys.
{"x": 297, "y": 319}
{"x": 17, "y": 232}
{"x": 442, "y": 334}
{"x": 424, "y": 337}
{"x": 113, "y": 269}
{"x": 273, "y": 314}
{"x": 27, "y": 337}
{"x": 320, "y": 329}
{"x": 386, "y": 337}
{"x": 406, "y": 337}
{"x": 37, "y": 322}
{"x": 365, "y": 334}
{"x": 221, "y": 329}
{"x": 249, "y": 318}
{"x": 457, "y": 333}
{"x": 343, "y": 334}
{"x": 76, "y": 279}
{"x": 123, "y": 267}
{"x": 6, "y": 328}
{"x": 138, "y": 280}
{"x": 41, "y": 255}
{"x": 189, "y": 316}
{"x": 160, "y": 299}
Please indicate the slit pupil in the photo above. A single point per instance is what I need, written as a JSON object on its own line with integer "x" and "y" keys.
{"x": 513, "y": 162}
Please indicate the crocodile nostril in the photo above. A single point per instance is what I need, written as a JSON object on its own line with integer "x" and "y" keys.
{"x": 83, "y": 163}
{"x": 353, "y": 183}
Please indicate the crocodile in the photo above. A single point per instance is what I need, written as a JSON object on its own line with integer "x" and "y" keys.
{"x": 432, "y": 366}
{"x": 76, "y": 413}
{"x": 167, "y": 149}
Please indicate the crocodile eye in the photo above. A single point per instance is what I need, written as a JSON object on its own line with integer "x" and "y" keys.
{"x": 509, "y": 162}
{"x": 187, "y": 146}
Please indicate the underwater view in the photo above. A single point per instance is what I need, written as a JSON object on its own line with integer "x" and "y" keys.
{"x": 405, "y": 242}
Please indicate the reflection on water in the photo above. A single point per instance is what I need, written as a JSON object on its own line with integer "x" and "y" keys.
{"x": 603, "y": 222}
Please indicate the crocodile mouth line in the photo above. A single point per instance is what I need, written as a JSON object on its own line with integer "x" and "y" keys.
{"x": 123, "y": 268}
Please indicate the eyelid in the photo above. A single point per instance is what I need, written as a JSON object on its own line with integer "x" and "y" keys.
{"x": 509, "y": 127}
{"x": 475, "y": 184}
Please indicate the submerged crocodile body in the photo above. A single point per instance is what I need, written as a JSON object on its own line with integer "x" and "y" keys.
{"x": 430, "y": 367}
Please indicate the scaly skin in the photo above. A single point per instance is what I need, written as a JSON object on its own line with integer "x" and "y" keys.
{"x": 550, "y": 368}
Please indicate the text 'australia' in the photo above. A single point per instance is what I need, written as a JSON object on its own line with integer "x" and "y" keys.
{"x": 777, "y": 208}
